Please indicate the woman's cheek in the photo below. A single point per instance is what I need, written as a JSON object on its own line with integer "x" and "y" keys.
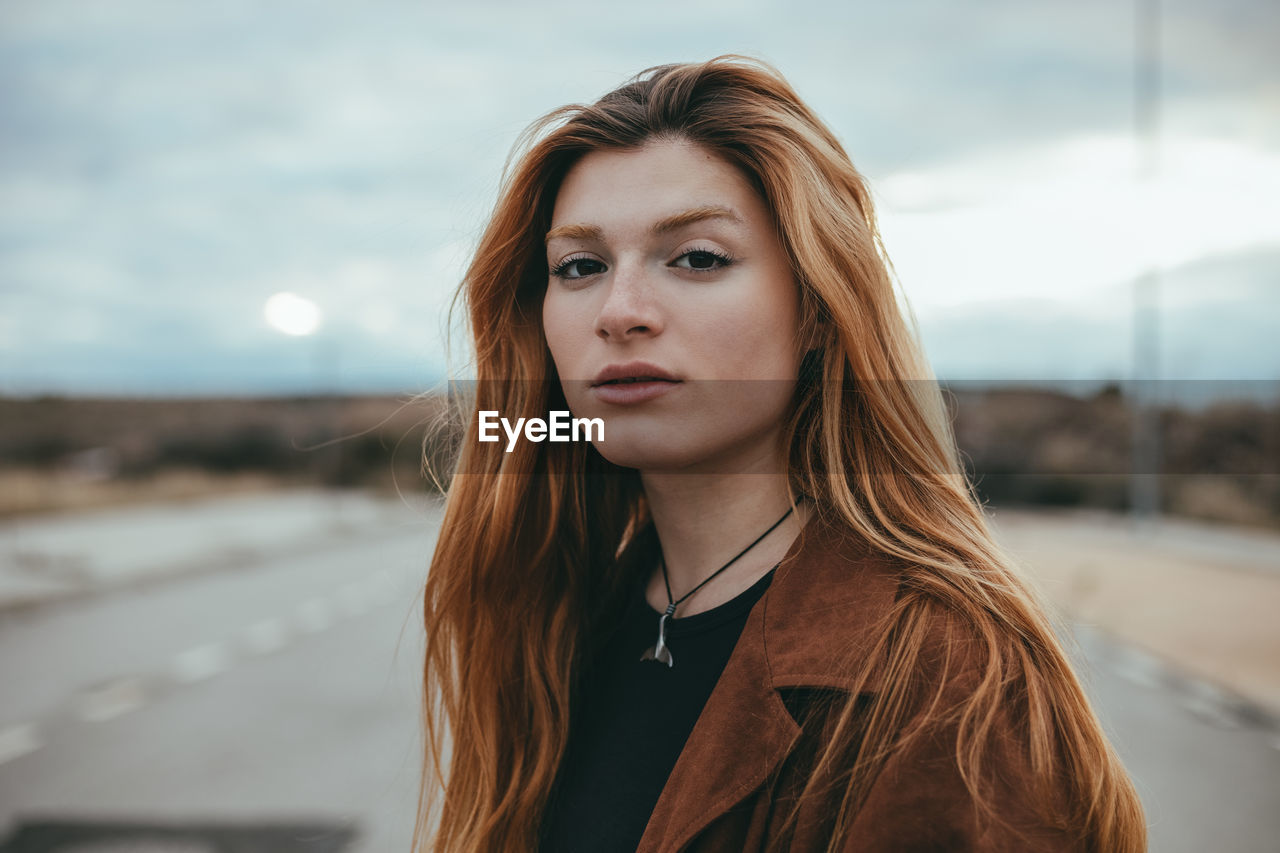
{"x": 558, "y": 325}
{"x": 748, "y": 348}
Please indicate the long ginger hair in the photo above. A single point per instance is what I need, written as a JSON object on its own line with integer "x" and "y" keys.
{"x": 526, "y": 571}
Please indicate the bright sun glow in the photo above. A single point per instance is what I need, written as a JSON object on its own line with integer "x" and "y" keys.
{"x": 292, "y": 314}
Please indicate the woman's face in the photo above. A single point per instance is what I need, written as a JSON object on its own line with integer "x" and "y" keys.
{"x": 664, "y": 263}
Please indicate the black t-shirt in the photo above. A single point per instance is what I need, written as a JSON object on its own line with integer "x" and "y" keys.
{"x": 632, "y": 720}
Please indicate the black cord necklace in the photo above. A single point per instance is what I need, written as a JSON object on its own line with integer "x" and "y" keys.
{"x": 660, "y": 652}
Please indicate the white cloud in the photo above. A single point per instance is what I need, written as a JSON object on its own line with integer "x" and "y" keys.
{"x": 1071, "y": 220}
{"x": 165, "y": 167}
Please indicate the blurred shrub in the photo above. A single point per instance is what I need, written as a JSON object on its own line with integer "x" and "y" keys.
{"x": 1027, "y": 446}
{"x": 1020, "y": 446}
{"x": 373, "y": 441}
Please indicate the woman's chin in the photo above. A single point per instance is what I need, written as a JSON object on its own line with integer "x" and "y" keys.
{"x": 654, "y": 456}
{"x": 651, "y": 455}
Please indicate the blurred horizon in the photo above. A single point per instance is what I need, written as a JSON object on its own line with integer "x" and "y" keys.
{"x": 166, "y": 169}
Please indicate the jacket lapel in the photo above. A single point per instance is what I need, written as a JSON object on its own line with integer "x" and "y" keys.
{"x": 744, "y": 731}
{"x": 821, "y": 606}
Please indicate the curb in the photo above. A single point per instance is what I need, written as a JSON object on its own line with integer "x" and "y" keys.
{"x": 1214, "y": 704}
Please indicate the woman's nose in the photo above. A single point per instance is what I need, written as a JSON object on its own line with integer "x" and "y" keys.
{"x": 630, "y": 307}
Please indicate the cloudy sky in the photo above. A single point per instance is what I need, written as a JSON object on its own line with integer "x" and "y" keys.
{"x": 165, "y": 168}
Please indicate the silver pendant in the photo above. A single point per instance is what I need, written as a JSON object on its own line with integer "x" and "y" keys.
{"x": 660, "y": 652}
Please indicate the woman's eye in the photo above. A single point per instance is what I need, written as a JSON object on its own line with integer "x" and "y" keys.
{"x": 571, "y": 269}
{"x": 703, "y": 260}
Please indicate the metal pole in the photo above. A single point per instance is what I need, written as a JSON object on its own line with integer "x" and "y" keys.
{"x": 1144, "y": 481}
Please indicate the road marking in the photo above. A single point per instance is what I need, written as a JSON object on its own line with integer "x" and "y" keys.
{"x": 266, "y": 636}
{"x": 125, "y": 694}
{"x": 314, "y": 615}
{"x": 1140, "y": 668}
{"x": 352, "y": 599}
{"x": 18, "y": 740}
{"x": 119, "y": 697}
{"x": 1208, "y": 703}
{"x": 382, "y": 588}
{"x": 200, "y": 662}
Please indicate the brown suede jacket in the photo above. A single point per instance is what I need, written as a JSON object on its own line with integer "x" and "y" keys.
{"x": 747, "y": 746}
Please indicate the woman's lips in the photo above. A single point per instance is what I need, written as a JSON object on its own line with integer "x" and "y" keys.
{"x": 629, "y": 393}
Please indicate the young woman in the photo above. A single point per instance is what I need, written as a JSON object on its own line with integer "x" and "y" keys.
{"x": 761, "y": 609}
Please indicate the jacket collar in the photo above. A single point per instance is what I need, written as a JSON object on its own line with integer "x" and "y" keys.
{"x": 824, "y": 599}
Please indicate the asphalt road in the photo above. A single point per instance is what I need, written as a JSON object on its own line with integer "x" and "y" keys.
{"x": 286, "y": 690}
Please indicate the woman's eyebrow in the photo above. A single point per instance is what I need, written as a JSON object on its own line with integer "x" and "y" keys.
{"x": 671, "y": 223}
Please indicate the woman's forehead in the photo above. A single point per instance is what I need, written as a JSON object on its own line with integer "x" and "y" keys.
{"x": 652, "y": 187}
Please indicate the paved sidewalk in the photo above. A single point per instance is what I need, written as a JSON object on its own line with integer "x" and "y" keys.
{"x": 49, "y": 558}
{"x": 1200, "y": 597}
